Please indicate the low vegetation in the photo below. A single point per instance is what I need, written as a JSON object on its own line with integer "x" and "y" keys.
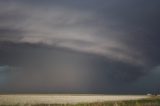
{"x": 153, "y": 101}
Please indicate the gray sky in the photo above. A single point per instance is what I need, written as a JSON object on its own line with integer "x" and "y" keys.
{"x": 89, "y": 46}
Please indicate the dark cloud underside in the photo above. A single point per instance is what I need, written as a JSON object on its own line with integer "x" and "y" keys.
{"x": 91, "y": 46}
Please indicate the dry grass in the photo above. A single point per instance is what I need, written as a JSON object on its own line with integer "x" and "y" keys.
{"x": 152, "y": 101}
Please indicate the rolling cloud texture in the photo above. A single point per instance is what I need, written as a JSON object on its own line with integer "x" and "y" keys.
{"x": 90, "y": 46}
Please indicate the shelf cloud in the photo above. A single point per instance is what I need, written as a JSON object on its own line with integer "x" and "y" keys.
{"x": 57, "y": 43}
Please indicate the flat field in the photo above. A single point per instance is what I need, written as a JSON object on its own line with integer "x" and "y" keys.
{"x": 34, "y": 99}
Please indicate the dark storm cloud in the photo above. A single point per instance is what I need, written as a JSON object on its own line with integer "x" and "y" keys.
{"x": 65, "y": 70}
{"x": 66, "y": 27}
{"x": 94, "y": 45}
{"x": 5, "y": 34}
{"x": 140, "y": 22}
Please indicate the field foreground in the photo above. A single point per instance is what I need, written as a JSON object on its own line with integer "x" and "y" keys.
{"x": 65, "y": 99}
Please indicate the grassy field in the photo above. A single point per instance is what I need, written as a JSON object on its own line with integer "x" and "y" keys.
{"x": 152, "y": 101}
{"x": 64, "y": 98}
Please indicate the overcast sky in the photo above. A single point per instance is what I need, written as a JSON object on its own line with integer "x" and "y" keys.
{"x": 80, "y": 46}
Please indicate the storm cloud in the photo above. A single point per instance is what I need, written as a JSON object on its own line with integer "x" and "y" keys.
{"x": 91, "y": 46}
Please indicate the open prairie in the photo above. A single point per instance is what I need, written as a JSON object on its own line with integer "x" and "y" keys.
{"x": 63, "y": 99}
